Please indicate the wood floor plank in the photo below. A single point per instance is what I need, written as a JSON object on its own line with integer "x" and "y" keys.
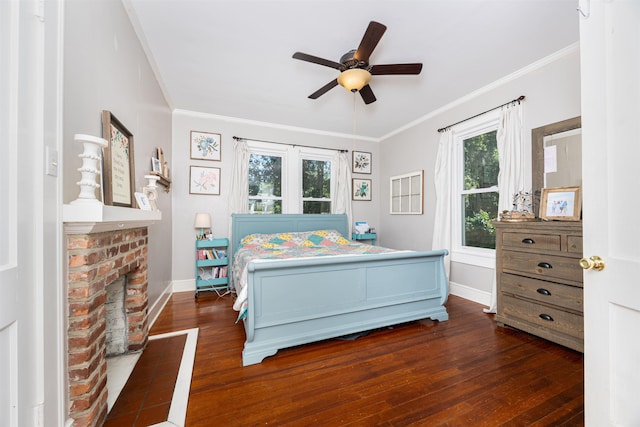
{"x": 465, "y": 371}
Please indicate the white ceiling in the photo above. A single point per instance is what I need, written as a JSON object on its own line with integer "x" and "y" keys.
{"x": 233, "y": 57}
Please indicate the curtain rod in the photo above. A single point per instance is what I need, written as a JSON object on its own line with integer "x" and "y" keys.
{"x": 513, "y": 101}
{"x": 237, "y": 138}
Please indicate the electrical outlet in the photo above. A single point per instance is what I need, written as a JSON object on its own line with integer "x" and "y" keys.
{"x": 51, "y": 159}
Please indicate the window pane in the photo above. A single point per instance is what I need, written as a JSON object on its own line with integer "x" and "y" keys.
{"x": 481, "y": 164}
{"x": 265, "y": 206}
{"x": 265, "y": 176}
{"x": 479, "y": 210}
{"x": 316, "y": 207}
{"x": 316, "y": 179}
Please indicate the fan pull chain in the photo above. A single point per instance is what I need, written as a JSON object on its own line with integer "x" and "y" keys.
{"x": 354, "y": 121}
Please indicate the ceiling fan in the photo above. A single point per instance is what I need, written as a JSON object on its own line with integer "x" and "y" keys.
{"x": 355, "y": 71}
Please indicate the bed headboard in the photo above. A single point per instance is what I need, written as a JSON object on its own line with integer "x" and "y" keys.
{"x": 245, "y": 224}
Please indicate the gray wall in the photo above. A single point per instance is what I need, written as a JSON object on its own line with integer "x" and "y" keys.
{"x": 552, "y": 90}
{"x": 105, "y": 68}
{"x": 186, "y": 205}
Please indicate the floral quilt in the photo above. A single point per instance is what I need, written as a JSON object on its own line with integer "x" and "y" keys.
{"x": 290, "y": 245}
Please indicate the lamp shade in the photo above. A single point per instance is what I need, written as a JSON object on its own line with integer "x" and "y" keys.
{"x": 203, "y": 220}
{"x": 354, "y": 79}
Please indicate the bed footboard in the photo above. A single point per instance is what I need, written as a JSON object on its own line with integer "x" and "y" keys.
{"x": 293, "y": 302}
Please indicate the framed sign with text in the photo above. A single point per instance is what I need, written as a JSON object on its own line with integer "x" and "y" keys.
{"x": 118, "y": 177}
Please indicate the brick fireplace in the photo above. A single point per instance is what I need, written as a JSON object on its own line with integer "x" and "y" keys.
{"x": 95, "y": 260}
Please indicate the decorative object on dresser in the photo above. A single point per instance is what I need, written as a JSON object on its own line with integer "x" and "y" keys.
{"x": 560, "y": 204}
{"x": 539, "y": 279}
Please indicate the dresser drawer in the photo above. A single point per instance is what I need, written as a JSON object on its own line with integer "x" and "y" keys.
{"x": 574, "y": 244}
{"x": 531, "y": 241}
{"x": 546, "y": 267}
{"x": 543, "y": 316}
{"x": 569, "y": 297}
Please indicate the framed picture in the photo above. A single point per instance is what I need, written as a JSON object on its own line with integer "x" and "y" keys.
{"x": 143, "y": 201}
{"x": 156, "y": 165}
{"x": 560, "y": 203}
{"x": 118, "y": 176}
{"x": 361, "y": 189}
{"x": 361, "y": 162}
{"x": 206, "y": 146}
{"x": 204, "y": 180}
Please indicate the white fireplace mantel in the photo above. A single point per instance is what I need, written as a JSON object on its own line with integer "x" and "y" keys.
{"x": 86, "y": 218}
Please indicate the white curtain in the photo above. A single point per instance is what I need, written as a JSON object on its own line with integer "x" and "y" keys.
{"x": 510, "y": 140}
{"x": 442, "y": 176}
{"x": 239, "y": 192}
{"x": 342, "y": 188}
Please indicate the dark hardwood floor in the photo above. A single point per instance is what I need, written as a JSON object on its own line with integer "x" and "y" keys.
{"x": 463, "y": 372}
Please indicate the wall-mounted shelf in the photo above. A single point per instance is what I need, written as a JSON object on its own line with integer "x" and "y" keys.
{"x": 166, "y": 182}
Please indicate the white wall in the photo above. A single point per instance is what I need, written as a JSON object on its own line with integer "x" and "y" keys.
{"x": 552, "y": 90}
{"x": 186, "y": 205}
{"x": 105, "y": 68}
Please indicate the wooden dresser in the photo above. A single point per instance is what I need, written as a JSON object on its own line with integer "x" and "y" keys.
{"x": 539, "y": 279}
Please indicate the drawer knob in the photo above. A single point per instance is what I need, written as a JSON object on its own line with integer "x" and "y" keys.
{"x": 544, "y": 265}
{"x": 528, "y": 241}
{"x": 546, "y": 317}
{"x": 543, "y": 291}
{"x": 595, "y": 262}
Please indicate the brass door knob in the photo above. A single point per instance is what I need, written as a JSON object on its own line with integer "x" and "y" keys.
{"x": 592, "y": 263}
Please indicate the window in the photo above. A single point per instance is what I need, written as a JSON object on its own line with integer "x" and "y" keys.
{"x": 265, "y": 184}
{"x": 316, "y": 186}
{"x": 475, "y": 201}
{"x": 287, "y": 179}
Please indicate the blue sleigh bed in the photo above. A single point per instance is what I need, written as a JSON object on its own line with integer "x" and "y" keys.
{"x": 298, "y": 301}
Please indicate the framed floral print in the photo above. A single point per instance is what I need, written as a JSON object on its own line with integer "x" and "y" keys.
{"x": 204, "y": 180}
{"x": 361, "y": 189}
{"x": 206, "y": 146}
{"x": 361, "y": 162}
{"x": 118, "y": 177}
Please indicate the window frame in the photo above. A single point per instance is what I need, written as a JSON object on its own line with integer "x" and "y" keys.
{"x": 306, "y": 153}
{"x": 291, "y": 180}
{"x": 481, "y": 257}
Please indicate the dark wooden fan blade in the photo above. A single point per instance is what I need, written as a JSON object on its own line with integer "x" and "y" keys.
{"x": 370, "y": 40}
{"x": 310, "y": 58}
{"x": 324, "y": 89}
{"x": 367, "y": 95}
{"x": 379, "y": 70}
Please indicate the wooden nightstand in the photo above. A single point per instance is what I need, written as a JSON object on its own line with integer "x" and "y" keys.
{"x": 365, "y": 236}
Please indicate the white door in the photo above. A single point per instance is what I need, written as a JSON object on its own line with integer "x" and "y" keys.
{"x": 21, "y": 384}
{"x": 610, "y": 63}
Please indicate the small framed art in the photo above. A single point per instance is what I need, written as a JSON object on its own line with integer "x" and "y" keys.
{"x": 361, "y": 189}
{"x": 206, "y": 146}
{"x": 156, "y": 165}
{"x": 118, "y": 174}
{"x": 143, "y": 201}
{"x": 204, "y": 180}
{"x": 361, "y": 162}
{"x": 560, "y": 204}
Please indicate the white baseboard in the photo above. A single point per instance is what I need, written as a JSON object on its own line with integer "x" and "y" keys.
{"x": 472, "y": 294}
{"x": 159, "y": 304}
{"x": 184, "y": 285}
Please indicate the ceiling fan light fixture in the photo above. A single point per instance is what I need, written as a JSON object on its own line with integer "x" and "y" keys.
{"x": 354, "y": 79}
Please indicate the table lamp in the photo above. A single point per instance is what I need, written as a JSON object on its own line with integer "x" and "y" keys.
{"x": 203, "y": 220}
